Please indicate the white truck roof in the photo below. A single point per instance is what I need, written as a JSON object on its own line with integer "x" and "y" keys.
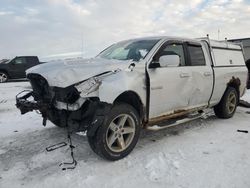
{"x": 224, "y": 44}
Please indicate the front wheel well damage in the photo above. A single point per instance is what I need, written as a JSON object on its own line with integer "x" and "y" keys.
{"x": 132, "y": 98}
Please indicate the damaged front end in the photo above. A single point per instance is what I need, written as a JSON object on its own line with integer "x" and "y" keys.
{"x": 73, "y": 107}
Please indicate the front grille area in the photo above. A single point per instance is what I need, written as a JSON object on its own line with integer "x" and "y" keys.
{"x": 41, "y": 89}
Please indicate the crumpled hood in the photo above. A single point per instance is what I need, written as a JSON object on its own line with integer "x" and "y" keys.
{"x": 64, "y": 73}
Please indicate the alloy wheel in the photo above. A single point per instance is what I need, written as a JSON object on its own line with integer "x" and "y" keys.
{"x": 231, "y": 102}
{"x": 120, "y": 133}
{"x": 3, "y": 77}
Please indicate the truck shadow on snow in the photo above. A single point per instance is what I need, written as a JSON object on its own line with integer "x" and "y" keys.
{"x": 29, "y": 149}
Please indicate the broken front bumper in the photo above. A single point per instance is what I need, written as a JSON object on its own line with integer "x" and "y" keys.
{"x": 88, "y": 118}
{"x": 25, "y": 105}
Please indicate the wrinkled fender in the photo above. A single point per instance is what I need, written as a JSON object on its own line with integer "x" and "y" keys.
{"x": 116, "y": 84}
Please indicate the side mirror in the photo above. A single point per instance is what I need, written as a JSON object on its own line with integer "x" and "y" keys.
{"x": 169, "y": 61}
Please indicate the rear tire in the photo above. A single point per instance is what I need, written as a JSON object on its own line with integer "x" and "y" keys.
{"x": 118, "y": 135}
{"x": 228, "y": 104}
{"x": 3, "y": 77}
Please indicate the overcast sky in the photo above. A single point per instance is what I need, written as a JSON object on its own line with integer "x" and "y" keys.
{"x": 63, "y": 28}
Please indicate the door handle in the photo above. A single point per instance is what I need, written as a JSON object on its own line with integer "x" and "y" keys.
{"x": 207, "y": 73}
{"x": 184, "y": 75}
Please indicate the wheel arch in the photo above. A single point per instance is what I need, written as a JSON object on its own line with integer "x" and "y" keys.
{"x": 5, "y": 71}
{"x": 235, "y": 83}
{"x": 133, "y": 99}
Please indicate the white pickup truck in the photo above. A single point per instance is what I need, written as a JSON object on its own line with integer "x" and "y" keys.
{"x": 150, "y": 83}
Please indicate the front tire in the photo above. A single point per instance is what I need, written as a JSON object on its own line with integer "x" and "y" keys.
{"x": 228, "y": 104}
{"x": 118, "y": 135}
{"x": 3, "y": 77}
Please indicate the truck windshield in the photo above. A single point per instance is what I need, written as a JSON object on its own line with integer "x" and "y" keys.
{"x": 129, "y": 50}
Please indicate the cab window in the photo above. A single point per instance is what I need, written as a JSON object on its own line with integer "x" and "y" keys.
{"x": 19, "y": 61}
{"x": 174, "y": 49}
{"x": 196, "y": 55}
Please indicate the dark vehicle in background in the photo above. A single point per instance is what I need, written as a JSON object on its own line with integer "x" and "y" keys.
{"x": 245, "y": 42}
{"x": 15, "y": 68}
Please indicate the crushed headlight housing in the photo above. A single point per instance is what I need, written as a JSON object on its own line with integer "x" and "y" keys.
{"x": 88, "y": 86}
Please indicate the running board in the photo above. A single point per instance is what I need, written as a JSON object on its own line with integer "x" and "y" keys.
{"x": 177, "y": 122}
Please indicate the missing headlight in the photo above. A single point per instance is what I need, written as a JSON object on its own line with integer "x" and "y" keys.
{"x": 67, "y": 95}
{"x": 88, "y": 86}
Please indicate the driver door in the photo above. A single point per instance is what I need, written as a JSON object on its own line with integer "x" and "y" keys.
{"x": 170, "y": 87}
{"x": 18, "y": 67}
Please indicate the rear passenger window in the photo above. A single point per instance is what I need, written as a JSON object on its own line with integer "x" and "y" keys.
{"x": 196, "y": 55}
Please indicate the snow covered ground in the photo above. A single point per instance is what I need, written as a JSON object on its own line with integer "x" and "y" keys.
{"x": 204, "y": 153}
